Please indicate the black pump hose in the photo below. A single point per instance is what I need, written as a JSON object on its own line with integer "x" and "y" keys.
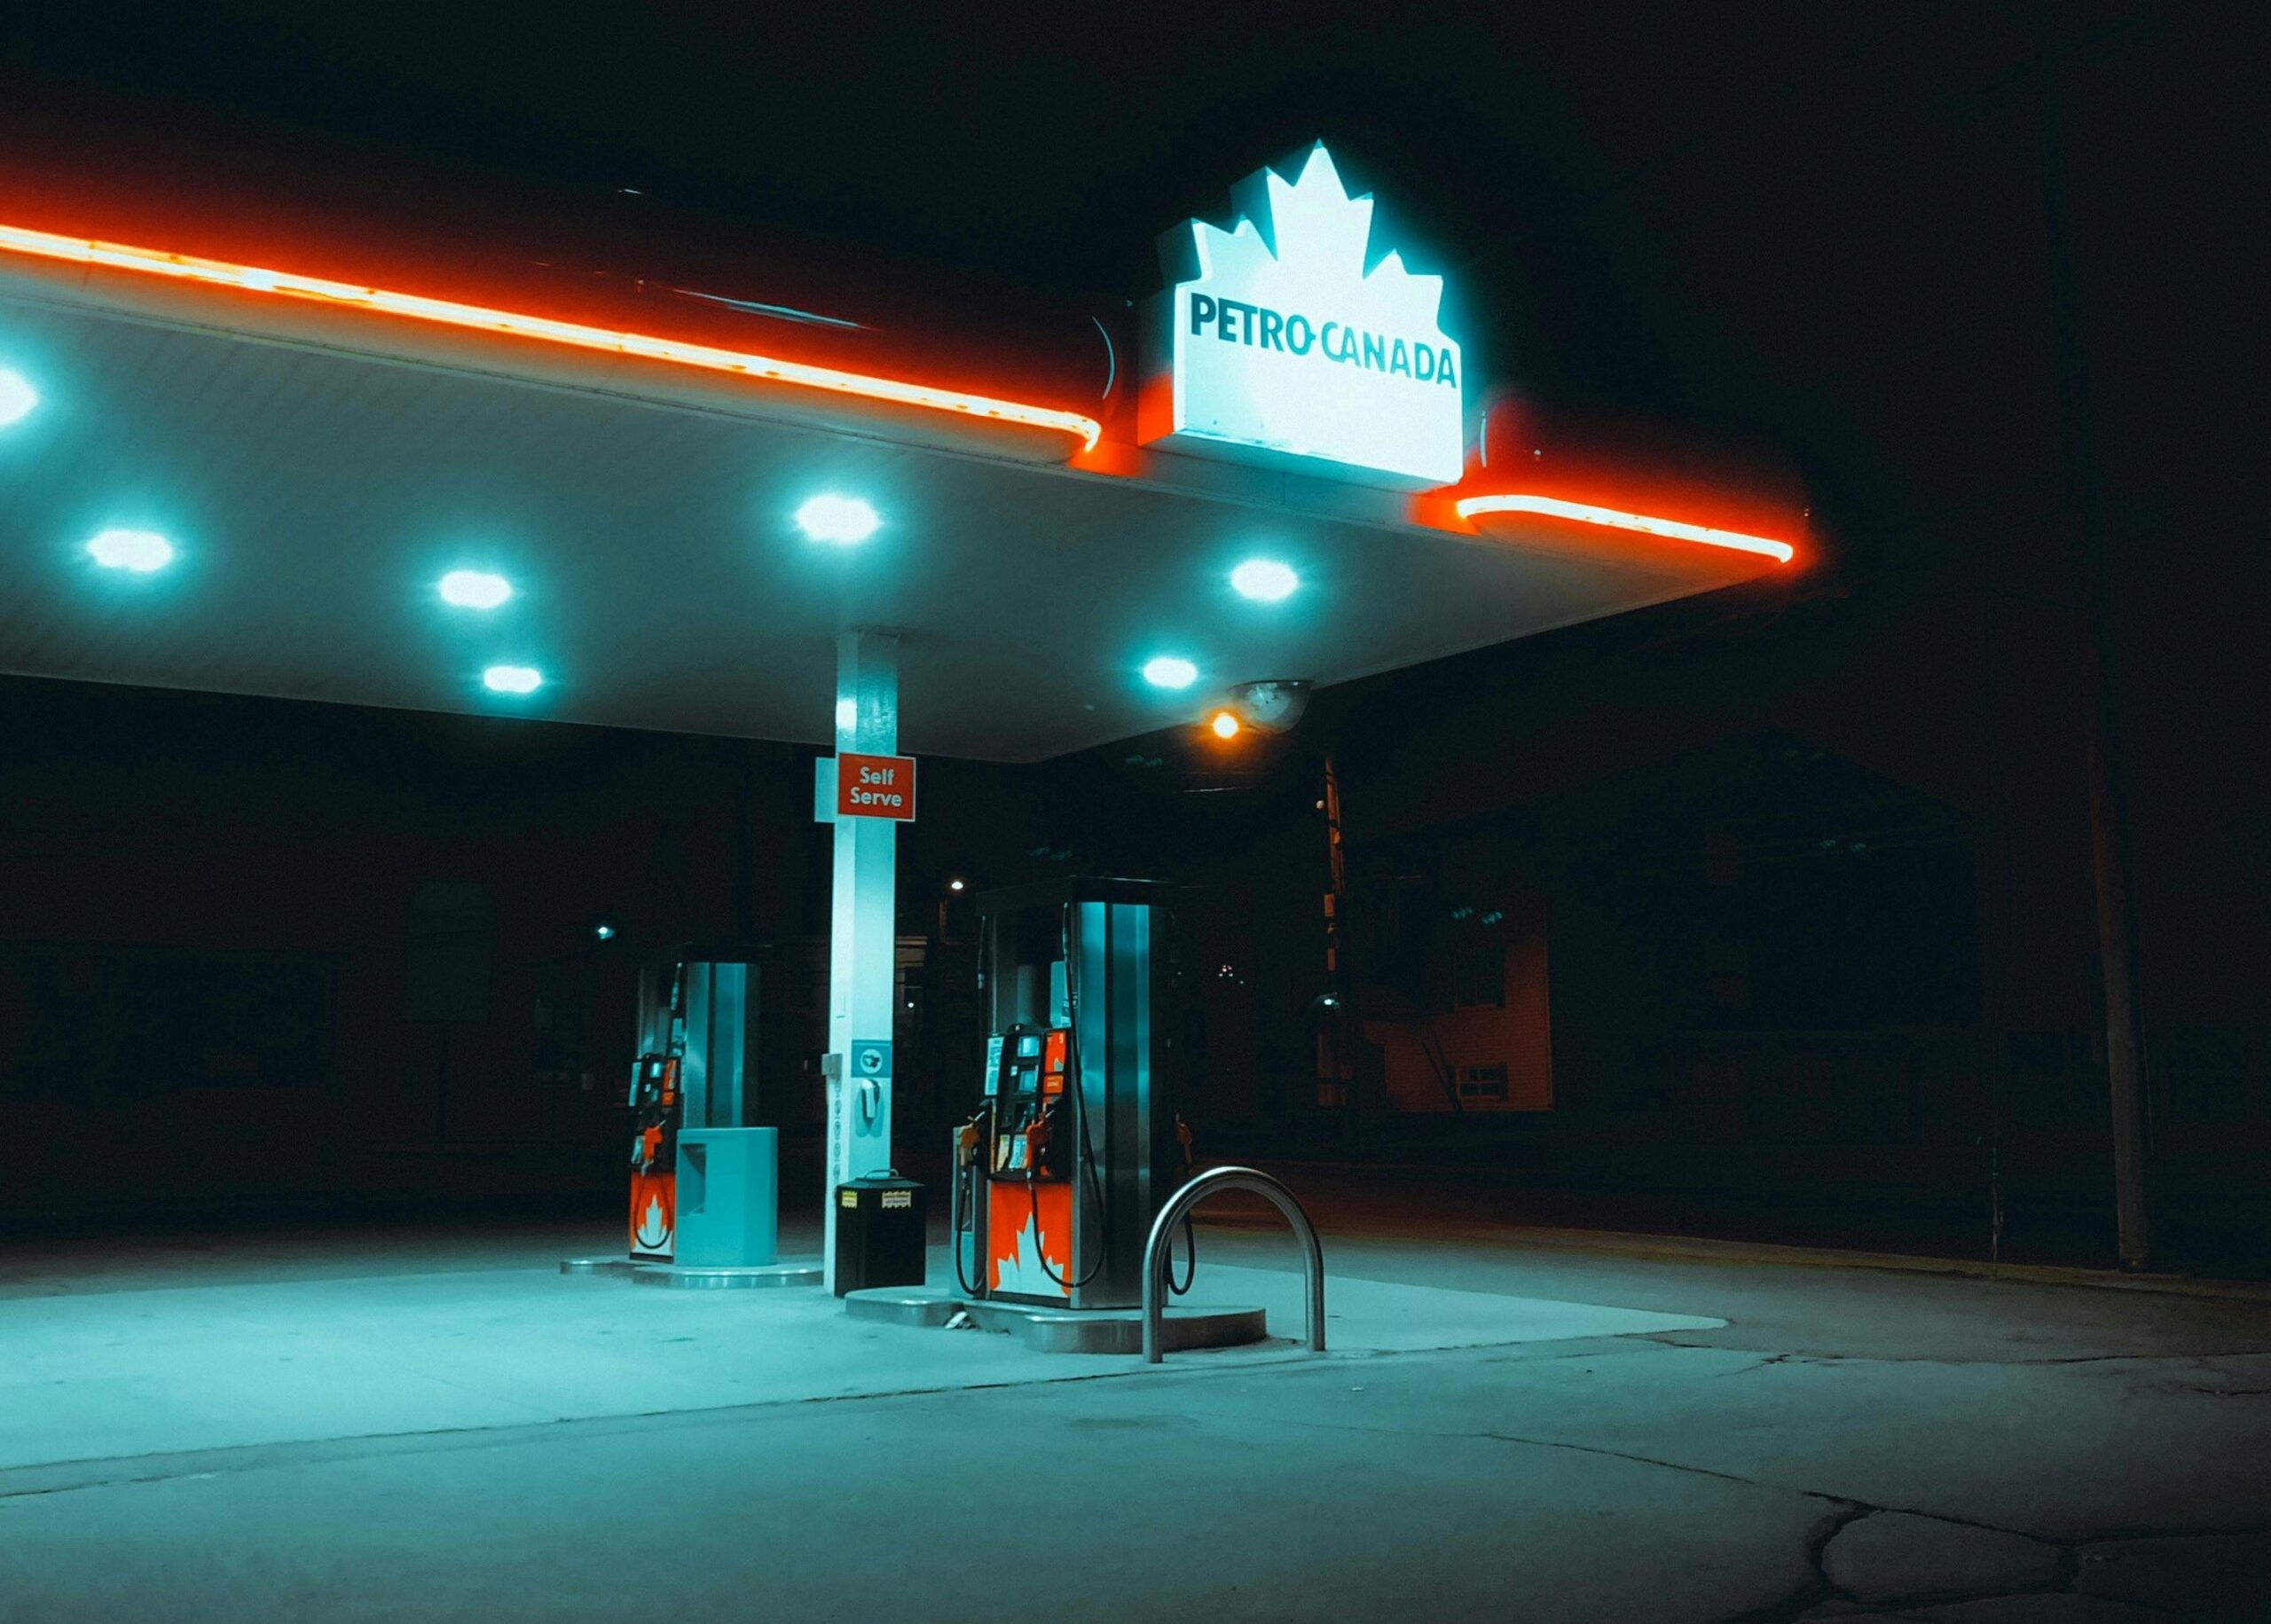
{"x": 1084, "y": 1151}
{"x": 966, "y": 1188}
{"x": 1190, "y": 1249}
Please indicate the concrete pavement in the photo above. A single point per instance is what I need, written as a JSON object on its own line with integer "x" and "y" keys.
{"x": 1848, "y": 1443}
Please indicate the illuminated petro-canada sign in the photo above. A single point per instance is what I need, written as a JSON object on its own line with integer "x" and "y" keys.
{"x": 1274, "y": 342}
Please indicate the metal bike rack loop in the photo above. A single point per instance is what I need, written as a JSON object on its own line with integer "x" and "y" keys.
{"x": 1213, "y": 1181}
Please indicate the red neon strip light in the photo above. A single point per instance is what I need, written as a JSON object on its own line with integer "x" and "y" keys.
{"x": 1584, "y": 513}
{"x": 252, "y": 278}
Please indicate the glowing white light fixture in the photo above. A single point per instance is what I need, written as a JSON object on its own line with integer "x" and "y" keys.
{"x": 1265, "y": 580}
{"x": 474, "y": 588}
{"x": 511, "y": 678}
{"x": 16, "y": 397}
{"x": 847, "y": 715}
{"x": 843, "y": 520}
{"x": 143, "y": 551}
{"x": 1168, "y": 672}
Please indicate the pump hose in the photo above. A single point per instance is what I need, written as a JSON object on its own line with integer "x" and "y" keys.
{"x": 1084, "y": 1153}
{"x": 1190, "y": 1250}
{"x": 961, "y": 1274}
{"x": 1095, "y": 1190}
{"x": 965, "y": 1196}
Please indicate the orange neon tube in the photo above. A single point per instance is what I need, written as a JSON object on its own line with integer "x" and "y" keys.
{"x": 1585, "y": 513}
{"x": 446, "y": 312}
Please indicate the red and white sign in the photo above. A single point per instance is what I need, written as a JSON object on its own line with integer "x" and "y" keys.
{"x": 875, "y": 787}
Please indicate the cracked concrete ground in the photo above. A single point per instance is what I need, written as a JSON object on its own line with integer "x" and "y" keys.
{"x": 1850, "y": 1444}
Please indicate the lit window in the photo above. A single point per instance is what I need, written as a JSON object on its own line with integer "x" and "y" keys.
{"x": 1482, "y": 1082}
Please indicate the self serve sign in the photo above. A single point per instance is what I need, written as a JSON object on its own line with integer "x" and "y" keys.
{"x": 874, "y": 786}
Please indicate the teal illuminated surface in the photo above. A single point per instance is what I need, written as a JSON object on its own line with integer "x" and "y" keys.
{"x": 17, "y": 398}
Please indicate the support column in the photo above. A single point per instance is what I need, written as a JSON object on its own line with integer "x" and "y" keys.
{"x": 863, "y": 931}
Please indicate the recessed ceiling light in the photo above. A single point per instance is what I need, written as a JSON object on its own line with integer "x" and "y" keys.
{"x": 1169, "y": 671}
{"x": 16, "y": 397}
{"x": 843, "y": 520}
{"x": 474, "y": 588}
{"x": 1264, "y": 580}
{"x": 511, "y": 678}
{"x": 139, "y": 551}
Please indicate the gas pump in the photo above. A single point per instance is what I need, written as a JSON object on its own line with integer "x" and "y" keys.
{"x": 694, "y": 1079}
{"x": 657, "y": 1110}
{"x": 656, "y": 1104}
{"x": 1075, "y": 1142}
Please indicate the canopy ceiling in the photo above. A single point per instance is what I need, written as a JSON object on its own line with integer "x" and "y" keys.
{"x": 317, "y": 471}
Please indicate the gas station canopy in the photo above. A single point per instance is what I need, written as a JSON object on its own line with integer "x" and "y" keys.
{"x": 685, "y": 525}
{"x": 251, "y": 462}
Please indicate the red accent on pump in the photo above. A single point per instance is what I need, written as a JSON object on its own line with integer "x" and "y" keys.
{"x": 1027, "y": 1223}
{"x": 1052, "y": 1060}
{"x": 654, "y": 1213}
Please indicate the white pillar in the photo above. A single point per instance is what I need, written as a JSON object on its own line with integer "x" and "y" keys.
{"x": 863, "y": 933}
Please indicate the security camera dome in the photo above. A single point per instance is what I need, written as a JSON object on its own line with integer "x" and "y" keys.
{"x": 1273, "y": 706}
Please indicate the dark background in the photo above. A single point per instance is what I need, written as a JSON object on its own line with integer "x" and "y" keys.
{"x": 1814, "y": 853}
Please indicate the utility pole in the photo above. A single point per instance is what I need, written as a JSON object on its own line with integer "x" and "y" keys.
{"x": 1335, "y": 1049}
{"x": 2085, "y": 519}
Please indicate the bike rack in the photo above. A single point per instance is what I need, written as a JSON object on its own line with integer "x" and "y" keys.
{"x": 1208, "y": 1183}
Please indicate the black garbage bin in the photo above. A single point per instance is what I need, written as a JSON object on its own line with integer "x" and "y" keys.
{"x": 879, "y": 1236}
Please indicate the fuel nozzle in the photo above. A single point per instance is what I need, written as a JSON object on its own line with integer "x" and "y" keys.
{"x": 967, "y": 1139}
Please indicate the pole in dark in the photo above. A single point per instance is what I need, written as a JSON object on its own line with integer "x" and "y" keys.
{"x": 2085, "y": 521}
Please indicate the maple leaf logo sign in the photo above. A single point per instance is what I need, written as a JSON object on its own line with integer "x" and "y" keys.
{"x": 1280, "y": 344}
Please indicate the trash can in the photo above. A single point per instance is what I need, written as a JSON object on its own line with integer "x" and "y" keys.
{"x": 879, "y": 1234}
